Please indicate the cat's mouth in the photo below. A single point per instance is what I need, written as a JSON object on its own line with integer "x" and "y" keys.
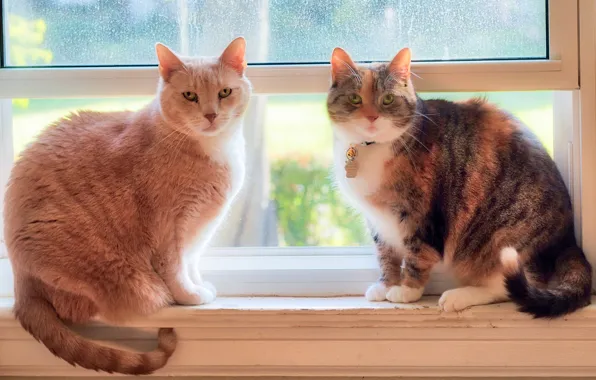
{"x": 211, "y": 128}
{"x": 372, "y": 129}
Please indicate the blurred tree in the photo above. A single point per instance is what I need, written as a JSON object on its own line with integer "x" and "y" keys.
{"x": 310, "y": 211}
{"x": 25, "y": 40}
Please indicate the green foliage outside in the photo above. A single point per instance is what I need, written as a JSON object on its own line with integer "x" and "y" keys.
{"x": 25, "y": 40}
{"x": 310, "y": 210}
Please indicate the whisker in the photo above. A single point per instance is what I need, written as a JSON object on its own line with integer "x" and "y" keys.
{"x": 179, "y": 143}
{"x": 426, "y": 117}
{"x": 167, "y": 136}
{"x": 389, "y": 79}
{"x": 419, "y": 142}
{"x": 353, "y": 72}
{"x": 417, "y": 129}
{"x": 412, "y": 162}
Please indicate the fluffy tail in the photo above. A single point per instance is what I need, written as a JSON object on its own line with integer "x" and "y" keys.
{"x": 571, "y": 287}
{"x": 39, "y": 318}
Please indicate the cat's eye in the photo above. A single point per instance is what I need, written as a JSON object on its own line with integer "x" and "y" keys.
{"x": 388, "y": 99}
{"x": 225, "y": 93}
{"x": 190, "y": 96}
{"x": 355, "y": 98}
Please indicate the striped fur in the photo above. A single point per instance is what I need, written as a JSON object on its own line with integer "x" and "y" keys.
{"x": 106, "y": 214}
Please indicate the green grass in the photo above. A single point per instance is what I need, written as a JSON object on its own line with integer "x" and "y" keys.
{"x": 295, "y": 126}
{"x": 298, "y": 125}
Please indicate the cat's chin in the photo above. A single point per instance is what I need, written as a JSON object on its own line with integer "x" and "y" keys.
{"x": 365, "y": 136}
{"x": 212, "y": 130}
{"x": 355, "y": 133}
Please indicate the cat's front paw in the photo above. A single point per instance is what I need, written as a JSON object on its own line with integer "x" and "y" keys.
{"x": 376, "y": 292}
{"x": 404, "y": 294}
{"x": 206, "y": 293}
{"x": 210, "y": 286}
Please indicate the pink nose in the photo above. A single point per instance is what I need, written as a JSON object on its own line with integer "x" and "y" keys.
{"x": 372, "y": 118}
{"x": 211, "y": 117}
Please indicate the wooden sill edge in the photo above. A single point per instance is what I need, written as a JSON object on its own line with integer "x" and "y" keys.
{"x": 340, "y": 336}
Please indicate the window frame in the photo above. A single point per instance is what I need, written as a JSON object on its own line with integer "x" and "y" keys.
{"x": 318, "y": 271}
{"x": 586, "y": 118}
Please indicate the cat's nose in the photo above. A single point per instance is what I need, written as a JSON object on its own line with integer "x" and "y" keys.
{"x": 211, "y": 117}
{"x": 372, "y": 118}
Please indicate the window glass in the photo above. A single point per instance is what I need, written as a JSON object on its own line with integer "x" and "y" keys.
{"x": 123, "y": 32}
{"x": 290, "y": 199}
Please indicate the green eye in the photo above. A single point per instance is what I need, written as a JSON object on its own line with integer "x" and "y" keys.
{"x": 388, "y": 99}
{"x": 190, "y": 96}
{"x": 225, "y": 93}
{"x": 355, "y": 98}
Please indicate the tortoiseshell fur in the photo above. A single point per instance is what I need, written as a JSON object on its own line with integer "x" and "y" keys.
{"x": 465, "y": 183}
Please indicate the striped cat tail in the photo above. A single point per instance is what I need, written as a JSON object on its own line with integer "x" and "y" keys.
{"x": 569, "y": 287}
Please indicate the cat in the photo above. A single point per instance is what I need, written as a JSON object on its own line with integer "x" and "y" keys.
{"x": 463, "y": 183}
{"x": 106, "y": 214}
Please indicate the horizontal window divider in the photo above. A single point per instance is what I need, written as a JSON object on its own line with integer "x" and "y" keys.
{"x": 308, "y": 276}
{"x": 288, "y": 251}
{"x": 287, "y": 79}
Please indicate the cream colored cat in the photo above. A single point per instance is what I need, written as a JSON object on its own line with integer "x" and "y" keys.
{"x": 106, "y": 214}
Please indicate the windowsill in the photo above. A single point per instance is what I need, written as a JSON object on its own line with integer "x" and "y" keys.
{"x": 343, "y": 336}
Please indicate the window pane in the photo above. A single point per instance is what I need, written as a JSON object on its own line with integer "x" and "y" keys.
{"x": 118, "y": 32}
{"x": 290, "y": 199}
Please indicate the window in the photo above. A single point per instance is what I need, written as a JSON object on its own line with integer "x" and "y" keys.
{"x": 91, "y": 33}
{"x": 296, "y": 237}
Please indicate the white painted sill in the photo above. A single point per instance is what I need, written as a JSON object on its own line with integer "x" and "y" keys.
{"x": 344, "y": 336}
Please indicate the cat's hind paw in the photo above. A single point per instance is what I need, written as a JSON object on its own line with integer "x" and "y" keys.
{"x": 461, "y": 298}
{"x": 456, "y": 300}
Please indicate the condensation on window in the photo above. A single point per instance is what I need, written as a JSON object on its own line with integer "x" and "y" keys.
{"x": 118, "y": 32}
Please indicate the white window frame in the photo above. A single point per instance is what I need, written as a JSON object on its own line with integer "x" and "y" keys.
{"x": 347, "y": 271}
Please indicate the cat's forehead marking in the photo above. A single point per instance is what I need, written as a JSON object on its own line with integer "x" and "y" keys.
{"x": 367, "y": 89}
{"x": 206, "y": 76}
{"x": 385, "y": 79}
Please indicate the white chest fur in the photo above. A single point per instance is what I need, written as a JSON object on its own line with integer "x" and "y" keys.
{"x": 231, "y": 153}
{"x": 371, "y": 161}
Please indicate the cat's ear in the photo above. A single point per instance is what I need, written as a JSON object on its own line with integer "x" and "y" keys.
{"x": 341, "y": 64}
{"x": 400, "y": 65}
{"x": 168, "y": 61}
{"x": 234, "y": 55}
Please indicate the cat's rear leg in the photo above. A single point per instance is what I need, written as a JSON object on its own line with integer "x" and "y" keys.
{"x": 78, "y": 295}
{"x": 72, "y": 307}
{"x": 490, "y": 289}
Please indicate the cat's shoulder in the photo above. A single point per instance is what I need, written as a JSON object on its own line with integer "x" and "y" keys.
{"x": 82, "y": 119}
{"x": 474, "y": 114}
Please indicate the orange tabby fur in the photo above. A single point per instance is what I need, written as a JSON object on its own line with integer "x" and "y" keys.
{"x": 103, "y": 209}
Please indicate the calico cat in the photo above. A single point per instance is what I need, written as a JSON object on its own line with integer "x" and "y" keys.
{"x": 463, "y": 183}
{"x": 106, "y": 214}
